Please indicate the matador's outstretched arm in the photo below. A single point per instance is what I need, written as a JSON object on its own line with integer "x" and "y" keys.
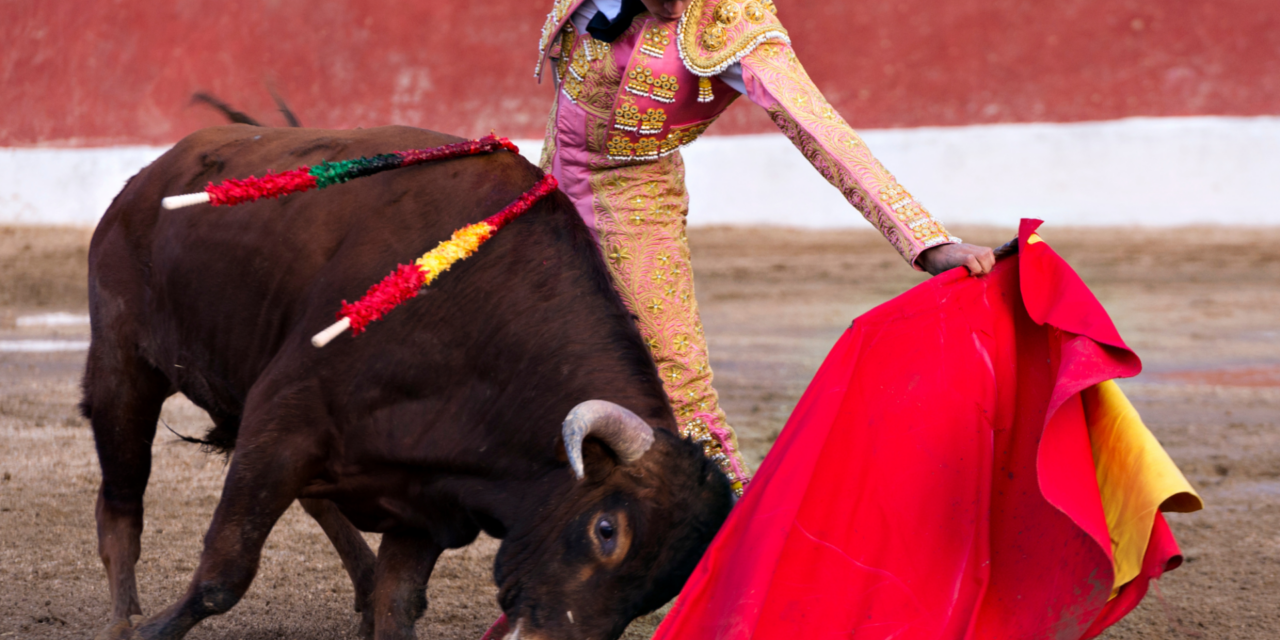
{"x": 775, "y": 80}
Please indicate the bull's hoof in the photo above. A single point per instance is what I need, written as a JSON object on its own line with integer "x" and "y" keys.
{"x": 366, "y": 624}
{"x": 118, "y": 630}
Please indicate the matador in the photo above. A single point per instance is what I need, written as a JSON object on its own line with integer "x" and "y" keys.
{"x": 637, "y": 80}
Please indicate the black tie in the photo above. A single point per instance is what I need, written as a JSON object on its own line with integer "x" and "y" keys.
{"x": 602, "y": 29}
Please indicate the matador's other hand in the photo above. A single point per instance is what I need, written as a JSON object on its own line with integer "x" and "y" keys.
{"x": 979, "y": 260}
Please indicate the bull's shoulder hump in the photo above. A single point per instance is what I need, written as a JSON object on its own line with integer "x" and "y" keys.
{"x": 210, "y": 137}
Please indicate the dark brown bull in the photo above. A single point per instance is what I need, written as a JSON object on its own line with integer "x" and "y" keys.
{"x": 443, "y": 420}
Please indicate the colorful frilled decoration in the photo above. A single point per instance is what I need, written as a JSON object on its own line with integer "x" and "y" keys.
{"x": 409, "y": 279}
{"x": 327, "y": 174}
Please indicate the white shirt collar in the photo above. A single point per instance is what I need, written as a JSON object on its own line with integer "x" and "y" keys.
{"x": 587, "y": 10}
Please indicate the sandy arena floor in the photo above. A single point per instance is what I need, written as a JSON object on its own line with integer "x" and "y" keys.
{"x": 1201, "y": 306}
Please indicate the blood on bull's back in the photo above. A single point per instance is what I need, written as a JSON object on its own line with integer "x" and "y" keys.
{"x": 442, "y": 420}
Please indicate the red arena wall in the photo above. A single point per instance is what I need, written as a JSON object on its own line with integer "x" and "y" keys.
{"x": 110, "y": 72}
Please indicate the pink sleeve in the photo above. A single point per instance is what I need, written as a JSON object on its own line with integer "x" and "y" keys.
{"x": 776, "y": 81}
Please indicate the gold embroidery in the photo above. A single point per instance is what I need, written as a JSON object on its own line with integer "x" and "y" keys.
{"x": 640, "y": 81}
{"x": 620, "y": 148}
{"x": 727, "y": 13}
{"x": 665, "y": 88}
{"x": 642, "y": 207}
{"x": 653, "y": 121}
{"x": 581, "y": 63}
{"x": 673, "y": 141}
{"x": 627, "y": 117}
{"x": 647, "y": 148}
{"x": 619, "y": 254}
{"x": 596, "y": 49}
{"x": 572, "y": 87}
{"x": 550, "y": 141}
{"x": 656, "y": 40}
{"x": 704, "y": 90}
{"x": 681, "y": 343}
{"x": 599, "y": 86}
{"x": 554, "y": 19}
{"x": 712, "y": 35}
{"x": 839, "y": 154}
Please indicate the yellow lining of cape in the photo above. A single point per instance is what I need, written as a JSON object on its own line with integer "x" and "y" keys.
{"x": 1136, "y": 477}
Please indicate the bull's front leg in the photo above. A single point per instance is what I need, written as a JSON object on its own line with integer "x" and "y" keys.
{"x": 405, "y": 561}
{"x": 265, "y": 477}
{"x": 356, "y": 556}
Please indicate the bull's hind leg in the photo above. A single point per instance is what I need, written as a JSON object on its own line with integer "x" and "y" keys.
{"x": 122, "y": 400}
{"x": 273, "y": 460}
{"x": 356, "y": 556}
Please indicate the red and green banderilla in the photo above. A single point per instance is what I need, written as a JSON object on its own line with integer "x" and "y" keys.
{"x": 406, "y": 281}
{"x": 327, "y": 174}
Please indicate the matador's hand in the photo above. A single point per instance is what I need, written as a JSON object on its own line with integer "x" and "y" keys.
{"x": 979, "y": 260}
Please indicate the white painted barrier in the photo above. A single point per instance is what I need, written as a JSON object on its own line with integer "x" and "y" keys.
{"x": 1140, "y": 171}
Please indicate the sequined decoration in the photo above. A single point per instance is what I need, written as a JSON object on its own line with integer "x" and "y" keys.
{"x": 922, "y": 226}
{"x": 621, "y": 148}
{"x": 627, "y": 116}
{"x": 570, "y": 80}
{"x": 640, "y": 218}
{"x": 713, "y": 37}
{"x": 653, "y": 121}
{"x": 656, "y": 40}
{"x": 555, "y": 18}
{"x": 704, "y": 90}
{"x": 550, "y": 141}
{"x": 640, "y": 81}
{"x": 840, "y": 155}
{"x": 581, "y": 62}
{"x": 584, "y": 61}
{"x": 727, "y": 13}
{"x": 665, "y": 88}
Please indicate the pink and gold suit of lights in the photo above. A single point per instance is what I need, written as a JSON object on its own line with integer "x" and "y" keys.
{"x": 622, "y": 112}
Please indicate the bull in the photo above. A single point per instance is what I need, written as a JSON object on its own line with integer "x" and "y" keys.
{"x": 514, "y": 397}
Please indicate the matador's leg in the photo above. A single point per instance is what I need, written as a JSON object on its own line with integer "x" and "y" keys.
{"x": 640, "y": 218}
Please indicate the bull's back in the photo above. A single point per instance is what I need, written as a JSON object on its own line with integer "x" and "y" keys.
{"x": 212, "y": 295}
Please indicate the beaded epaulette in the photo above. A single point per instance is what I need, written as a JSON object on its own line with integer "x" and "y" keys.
{"x": 715, "y": 34}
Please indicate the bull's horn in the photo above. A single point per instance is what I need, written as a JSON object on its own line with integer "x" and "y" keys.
{"x": 623, "y": 431}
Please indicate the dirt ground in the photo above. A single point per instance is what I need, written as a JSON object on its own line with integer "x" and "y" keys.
{"x": 1201, "y": 306}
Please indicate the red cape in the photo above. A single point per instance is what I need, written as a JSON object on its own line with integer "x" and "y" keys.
{"x": 936, "y": 479}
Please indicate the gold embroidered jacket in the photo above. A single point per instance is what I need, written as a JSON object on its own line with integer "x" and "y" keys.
{"x": 655, "y": 108}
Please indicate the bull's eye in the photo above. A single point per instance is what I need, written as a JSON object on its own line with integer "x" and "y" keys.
{"x": 605, "y": 529}
{"x": 611, "y": 537}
